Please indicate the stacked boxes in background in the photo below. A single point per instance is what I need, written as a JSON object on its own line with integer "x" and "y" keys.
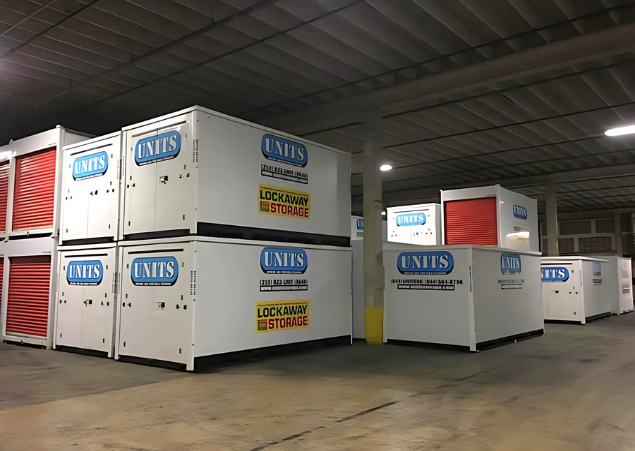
{"x": 30, "y": 181}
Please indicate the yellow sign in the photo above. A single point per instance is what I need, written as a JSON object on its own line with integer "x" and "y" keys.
{"x": 284, "y": 202}
{"x": 281, "y": 315}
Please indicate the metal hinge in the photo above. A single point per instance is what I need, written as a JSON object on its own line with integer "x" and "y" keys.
{"x": 119, "y": 169}
{"x": 115, "y": 284}
{"x": 195, "y": 151}
{"x": 193, "y": 283}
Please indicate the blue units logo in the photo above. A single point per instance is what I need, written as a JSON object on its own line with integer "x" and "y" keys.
{"x": 92, "y": 165}
{"x": 284, "y": 150}
{"x": 425, "y": 263}
{"x": 360, "y": 224}
{"x": 85, "y": 272}
{"x": 510, "y": 264}
{"x": 554, "y": 274}
{"x": 279, "y": 260}
{"x": 410, "y": 219}
{"x": 520, "y": 212}
{"x": 153, "y": 149}
{"x": 154, "y": 271}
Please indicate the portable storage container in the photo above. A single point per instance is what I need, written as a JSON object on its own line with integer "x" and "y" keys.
{"x": 29, "y": 271}
{"x": 182, "y": 301}
{"x": 90, "y": 190}
{"x": 618, "y": 275}
{"x": 197, "y": 171}
{"x": 490, "y": 216}
{"x": 30, "y": 182}
{"x": 415, "y": 224}
{"x": 86, "y": 299}
{"x": 357, "y": 228}
{"x": 574, "y": 290}
{"x": 466, "y": 297}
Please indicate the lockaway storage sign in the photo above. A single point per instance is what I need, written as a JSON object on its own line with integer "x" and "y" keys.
{"x": 281, "y": 315}
{"x": 283, "y": 202}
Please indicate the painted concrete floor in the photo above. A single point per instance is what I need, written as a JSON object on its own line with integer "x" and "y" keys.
{"x": 573, "y": 389}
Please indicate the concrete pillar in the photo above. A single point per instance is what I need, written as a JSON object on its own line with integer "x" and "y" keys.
{"x": 373, "y": 249}
{"x": 619, "y": 247}
{"x": 552, "y": 220}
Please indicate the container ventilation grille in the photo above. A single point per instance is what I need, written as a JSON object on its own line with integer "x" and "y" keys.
{"x": 193, "y": 283}
{"x": 196, "y": 151}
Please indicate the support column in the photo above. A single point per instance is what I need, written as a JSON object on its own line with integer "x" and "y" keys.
{"x": 373, "y": 248}
{"x": 619, "y": 247}
{"x": 552, "y": 220}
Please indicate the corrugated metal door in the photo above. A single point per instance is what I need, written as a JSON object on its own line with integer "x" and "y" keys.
{"x": 1, "y": 281}
{"x": 4, "y": 192}
{"x": 471, "y": 221}
{"x": 28, "y": 299}
{"x": 34, "y": 190}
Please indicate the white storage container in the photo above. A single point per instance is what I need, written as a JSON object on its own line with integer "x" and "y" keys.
{"x": 86, "y": 298}
{"x": 30, "y": 182}
{"x": 200, "y": 172}
{"x": 574, "y": 289}
{"x": 357, "y": 228}
{"x": 490, "y": 216}
{"x": 90, "y": 190}
{"x": 415, "y": 224}
{"x": 618, "y": 275}
{"x": 28, "y": 298}
{"x": 182, "y": 301}
{"x": 468, "y": 297}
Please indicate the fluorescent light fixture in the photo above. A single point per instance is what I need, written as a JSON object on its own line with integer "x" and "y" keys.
{"x": 383, "y": 213}
{"x": 629, "y": 129}
{"x": 520, "y": 235}
{"x": 385, "y": 167}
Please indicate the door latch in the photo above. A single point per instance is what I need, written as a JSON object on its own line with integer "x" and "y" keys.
{"x": 161, "y": 305}
{"x": 163, "y": 179}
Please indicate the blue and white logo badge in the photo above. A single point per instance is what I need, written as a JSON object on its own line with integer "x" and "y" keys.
{"x": 92, "y": 165}
{"x": 85, "y": 272}
{"x": 154, "y": 271}
{"x": 426, "y": 263}
{"x": 278, "y": 260}
{"x": 410, "y": 219}
{"x": 554, "y": 274}
{"x": 153, "y": 149}
{"x": 360, "y": 224}
{"x": 510, "y": 264}
{"x": 284, "y": 150}
{"x": 520, "y": 212}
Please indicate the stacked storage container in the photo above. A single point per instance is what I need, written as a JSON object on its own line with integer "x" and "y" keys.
{"x": 30, "y": 179}
{"x": 234, "y": 237}
{"x": 88, "y": 254}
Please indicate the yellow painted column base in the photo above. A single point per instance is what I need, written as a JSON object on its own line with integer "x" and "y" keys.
{"x": 374, "y": 317}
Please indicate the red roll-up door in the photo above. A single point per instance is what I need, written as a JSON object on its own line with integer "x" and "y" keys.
{"x": 34, "y": 190}
{"x": 4, "y": 193}
{"x": 471, "y": 221}
{"x": 1, "y": 280}
{"x": 28, "y": 299}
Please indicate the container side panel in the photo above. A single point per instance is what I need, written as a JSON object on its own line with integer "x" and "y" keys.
{"x": 518, "y": 221}
{"x": 241, "y": 305}
{"x": 68, "y": 308}
{"x": 251, "y": 177}
{"x": 507, "y": 294}
{"x": 34, "y": 190}
{"x": 428, "y": 308}
{"x": 416, "y": 224}
{"x": 359, "y": 321}
{"x": 597, "y": 298}
{"x": 626, "y": 285}
{"x": 4, "y": 191}
{"x": 28, "y": 299}
{"x": 471, "y": 221}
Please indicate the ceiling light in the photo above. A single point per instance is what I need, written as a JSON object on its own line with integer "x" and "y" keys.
{"x": 629, "y": 129}
{"x": 383, "y": 213}
{"x": 385, "y": 167}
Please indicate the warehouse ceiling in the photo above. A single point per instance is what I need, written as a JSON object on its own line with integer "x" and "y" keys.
{"x": 470, "y": 92}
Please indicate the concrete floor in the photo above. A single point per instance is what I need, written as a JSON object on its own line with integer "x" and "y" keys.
{"x": 573, "y": 389}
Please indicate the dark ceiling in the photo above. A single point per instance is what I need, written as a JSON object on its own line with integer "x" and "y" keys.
{"x": 97, "y": 65}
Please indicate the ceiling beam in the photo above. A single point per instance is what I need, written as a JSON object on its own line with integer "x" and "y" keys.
{"x": 398, "y": 197}
{"x": 413, "y": 94}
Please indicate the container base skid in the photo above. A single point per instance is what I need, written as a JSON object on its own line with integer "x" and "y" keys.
{"x": 244, "y": 356}
{"x": 247, "y": 233}
{"x": 18, "y": 341}
{"x": 596, "y": 317}
{"x": 483, "y": 346}
{"x": 625, "y": 312}
{"x": 82, "y": 351}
